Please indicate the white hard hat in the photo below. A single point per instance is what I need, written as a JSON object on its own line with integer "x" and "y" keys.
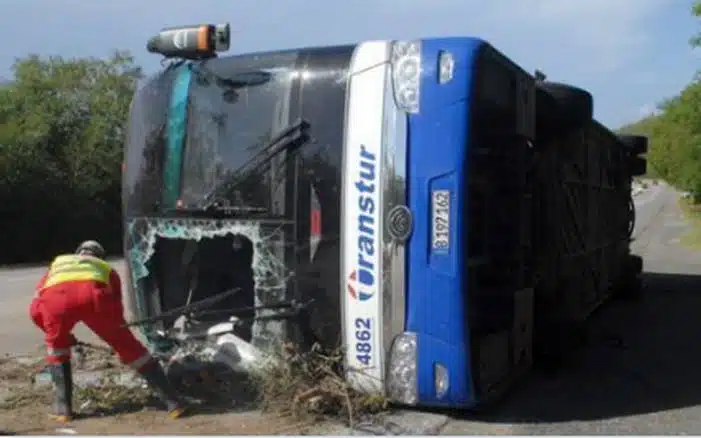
{"x": 91, "y": 247}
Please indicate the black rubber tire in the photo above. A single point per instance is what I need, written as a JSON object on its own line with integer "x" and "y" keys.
{"x": 556, "y": 344}
{"x": 577, "y": 103}
{"x": 561, "y": 108}
{"x": 636, "y": 144}
{"x": 638, "y": 166}
{"x": 634, "y": 264}
{"x": 631, "y": 290}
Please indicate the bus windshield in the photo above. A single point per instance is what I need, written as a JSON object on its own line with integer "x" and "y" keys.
{"x": 235, "y": 106}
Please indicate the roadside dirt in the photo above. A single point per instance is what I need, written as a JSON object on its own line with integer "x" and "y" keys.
{"x": 113, "y": 409}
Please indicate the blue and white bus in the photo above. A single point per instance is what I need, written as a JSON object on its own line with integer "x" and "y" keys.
{"x": 387, "y": 181}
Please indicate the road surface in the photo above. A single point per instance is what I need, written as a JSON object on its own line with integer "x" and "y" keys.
{"x": 640, "y": 375}
{"x": 18, "y": 335}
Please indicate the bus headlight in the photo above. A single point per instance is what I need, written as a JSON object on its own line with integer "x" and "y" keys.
{"x": 402, "y": 385}
{"x": 406, "y": 74}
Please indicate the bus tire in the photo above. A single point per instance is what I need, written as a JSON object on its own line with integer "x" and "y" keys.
{"x": 575, "y": 104}
{"x": 630, "y": 290}
{"x": 634, "y": 264}
{"x": 636, "y": 144}
{"x": 561, "y": 108}
{"x": 557, "y": 342}
{"x": 638, "y": 166}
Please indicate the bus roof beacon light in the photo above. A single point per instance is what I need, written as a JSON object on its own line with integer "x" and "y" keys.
{"x": 406, "y": 74}
{"x": 191, "y": 42}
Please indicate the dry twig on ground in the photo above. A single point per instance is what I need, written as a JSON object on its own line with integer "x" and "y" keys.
{"x": 312, "y": 383}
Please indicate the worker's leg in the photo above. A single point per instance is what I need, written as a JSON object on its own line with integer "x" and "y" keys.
{"x": 35, "y": 313}
{"x": 109, "y": 324}
{"x": 52, "y": 312}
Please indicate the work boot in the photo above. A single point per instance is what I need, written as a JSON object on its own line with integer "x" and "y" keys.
{"x": 156, "y": 378}
{"x": 62, "y": 378}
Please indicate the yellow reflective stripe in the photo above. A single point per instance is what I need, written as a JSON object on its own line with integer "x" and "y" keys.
{"x": 77, "y": 268}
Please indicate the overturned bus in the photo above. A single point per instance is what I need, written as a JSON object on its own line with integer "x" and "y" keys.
{"x": 377, "y": 196}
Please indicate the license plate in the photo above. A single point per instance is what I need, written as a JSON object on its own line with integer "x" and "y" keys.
{"x": 440, "y": 219}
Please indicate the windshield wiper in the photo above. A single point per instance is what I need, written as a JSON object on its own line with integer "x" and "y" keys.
{"x": 287, "y": 139}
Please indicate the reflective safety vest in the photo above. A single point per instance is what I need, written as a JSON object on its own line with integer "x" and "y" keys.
{"x": 74, "y": 267}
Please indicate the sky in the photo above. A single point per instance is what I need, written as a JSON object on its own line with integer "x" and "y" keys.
{"x": 630, "y": 54}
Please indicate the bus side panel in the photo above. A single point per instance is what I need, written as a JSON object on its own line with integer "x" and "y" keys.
{"x": 437, "y": 151}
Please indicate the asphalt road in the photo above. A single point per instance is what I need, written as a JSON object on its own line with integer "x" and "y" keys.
{"x": 18, "y": 335}
{"x": 641, "y": 373}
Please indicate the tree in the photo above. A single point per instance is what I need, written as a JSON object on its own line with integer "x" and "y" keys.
{"x": 62, "y": 125}
{"x": 675, "y": 133}
{"x": 696, "y": 12}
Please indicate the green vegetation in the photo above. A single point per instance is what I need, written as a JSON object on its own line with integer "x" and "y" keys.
{"x": 62, "y": 127}
{"x": 692, "y": 212}
{"x": 675, "y": 134}
{"x": 62, "y": 124}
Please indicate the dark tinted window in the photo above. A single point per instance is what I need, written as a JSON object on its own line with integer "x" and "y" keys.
{"x": 235, "y": 105}
{"x": 144, "y": 150}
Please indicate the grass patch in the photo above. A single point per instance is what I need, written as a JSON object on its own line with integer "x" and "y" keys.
{"x": 692, "y": 212}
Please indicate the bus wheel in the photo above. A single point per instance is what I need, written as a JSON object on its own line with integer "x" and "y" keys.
{"x": 561, "y": 108}
{"x": 638, "y": 166}
{"x": 630, "y": 290}
{"x": 576, "y": 106}
{"x": 635, "y": 144}
{"x": 557, "y": 343}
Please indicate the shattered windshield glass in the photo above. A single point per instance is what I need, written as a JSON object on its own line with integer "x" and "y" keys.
{"x": 235, "y": 106}
{"x": 145, "y": 146}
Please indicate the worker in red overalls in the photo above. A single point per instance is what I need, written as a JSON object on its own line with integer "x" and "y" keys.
{"x": 83, "y": 287}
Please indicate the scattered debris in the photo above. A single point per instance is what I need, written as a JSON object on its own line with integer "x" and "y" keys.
{"x": 312, "y": 384}
{"x": 100, "y": 387}
{"x": 218, "y": 371}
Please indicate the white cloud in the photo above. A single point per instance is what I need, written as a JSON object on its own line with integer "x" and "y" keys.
{"x": 648, "y": 109}
{"x": 604, "y": 46}
{"x": 562, "y": 36}
{"x": 590, "y": 36}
